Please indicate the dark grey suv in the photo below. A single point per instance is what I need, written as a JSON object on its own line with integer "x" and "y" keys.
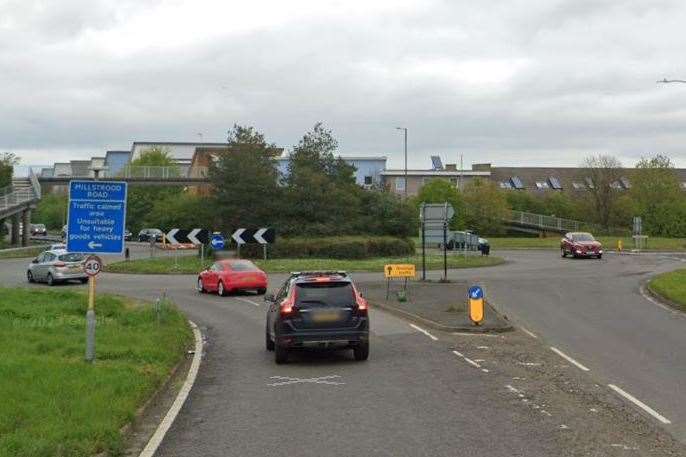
{"x": 317, "y": 310}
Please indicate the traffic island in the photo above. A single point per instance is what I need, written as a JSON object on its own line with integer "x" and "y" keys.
{"x": 439, "y": 305}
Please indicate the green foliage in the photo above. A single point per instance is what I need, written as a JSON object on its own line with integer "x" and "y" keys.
{"x": 604, "y": 171}
{"x": 384, "y": 213}
{"x": 51, "y": 211}
{"x": 7, "y": 162}
{"x": 560, "y": 204}
{"x": 672, "y": 286}
{"x": 334, "y": 248}
{"x": 441, "y": 191}
{"x": 245, "y": 181}
{"x": 658, "y": 197}
{"x": 486, "y": 207}
{"x": 154, "y": 156}
{"x": 524, "y": 201}
{"x": 183, "y": 211}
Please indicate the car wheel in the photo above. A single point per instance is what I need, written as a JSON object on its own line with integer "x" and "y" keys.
{"x": 200, "y": 287}
{"x": 220, "y": 289}
{"x": 51, "y": 280}
{"x": 280, "y": 354}
{"x": 29, "y": 276}
{"x": 269, "y": 344}
{"x": 600, "y": 256}
{"x": 361, "y": 352}
{"x": 261, "y": 291}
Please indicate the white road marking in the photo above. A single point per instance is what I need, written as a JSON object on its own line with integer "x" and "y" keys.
{"x": 285, "y": 380}
{"x": 245, "y": 300}
{"x": 482, "y": 347}
{"x": 569, "y": 359}
{"x": 168, "y": 420}
{"x": 467, "y": 359}
{"x": 640, "y": 404}
{"x": 648, "y": 297}
{"x": 512, "y": 389}
{"x": 531, "y": 334}
{"x": 421, "y": 330}
{"x": 531, "y": 364}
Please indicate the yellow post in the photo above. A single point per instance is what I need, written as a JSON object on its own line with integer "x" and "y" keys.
{"x": 620, "y": 246}
{"x": 476, "y": 310}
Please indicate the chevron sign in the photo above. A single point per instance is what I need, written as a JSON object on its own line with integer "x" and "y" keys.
{"x": 254, "y": 236}
{"x": 195, "y": 236}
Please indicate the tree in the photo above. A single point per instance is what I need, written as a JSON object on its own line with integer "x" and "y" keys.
{"x": 183, "y": 211}
{"x": 658, "y": 198}
{"x": 7, "y": 162}
{"x": 604, "y": 172}
{"x": 486, "y": 207}
{"x": 441, "y": 191}
{"x": 141, "y": 200}
{"x": 384, "y": 213}
{"x": 51, "y": 211}
{"x": 246, "y": 181}
{"x": 322, "y": 197}
{"x": 559, "y": 204}
{"x": 524, "y": 201}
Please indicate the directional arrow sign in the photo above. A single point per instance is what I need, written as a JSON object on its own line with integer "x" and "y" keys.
{"x": 237, "y": 236}
{"x": 171, "y": 236}
{"x": 181, "y": 236}
{"x": 96, "y": 219}
{"x": 264, "y": 235}
{"x": 198, "y": 236}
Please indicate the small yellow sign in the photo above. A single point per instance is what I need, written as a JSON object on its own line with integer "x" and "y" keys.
{"x": 399, "y": 270}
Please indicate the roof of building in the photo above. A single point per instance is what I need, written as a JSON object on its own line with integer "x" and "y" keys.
{"x": 447, "y": 173}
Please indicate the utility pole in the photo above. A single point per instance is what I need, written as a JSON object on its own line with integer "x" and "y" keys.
{"x": 404, "y": 129}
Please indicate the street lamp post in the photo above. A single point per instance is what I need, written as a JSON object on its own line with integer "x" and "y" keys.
{"x": 404, "y": 129}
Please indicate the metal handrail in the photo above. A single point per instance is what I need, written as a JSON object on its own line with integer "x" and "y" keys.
{"x": 155, "y": 172}
{"x": 35, "y": 185}
{"x": 545, "y": 222}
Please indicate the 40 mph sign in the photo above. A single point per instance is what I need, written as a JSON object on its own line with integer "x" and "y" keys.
{"x": 97, "y": 217}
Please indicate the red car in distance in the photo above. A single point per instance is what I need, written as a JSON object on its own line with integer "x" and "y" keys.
{"x": 580, "y": 244}
{"x": 232, "y": 275}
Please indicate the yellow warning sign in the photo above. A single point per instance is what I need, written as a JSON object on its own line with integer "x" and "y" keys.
{"x": 399, "y": 270}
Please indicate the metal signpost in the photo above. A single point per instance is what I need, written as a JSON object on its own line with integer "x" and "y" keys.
{"x": 95, "y": 224}
{"x": 435, "y": 218}
{"x": 475, "y": 296}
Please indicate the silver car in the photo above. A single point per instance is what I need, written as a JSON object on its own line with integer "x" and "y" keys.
{"x": 56, "y": 266}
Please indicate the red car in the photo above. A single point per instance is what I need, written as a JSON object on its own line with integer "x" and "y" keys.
{"x": 580, "y": 244}
{"x": 232, "y": 275}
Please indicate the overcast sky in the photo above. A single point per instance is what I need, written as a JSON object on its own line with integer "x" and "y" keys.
{"x": 517, "y": 82}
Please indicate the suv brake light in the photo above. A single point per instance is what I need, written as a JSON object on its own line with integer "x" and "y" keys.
{"x": 288, "y": 305}
{"x": 362, "y": 305}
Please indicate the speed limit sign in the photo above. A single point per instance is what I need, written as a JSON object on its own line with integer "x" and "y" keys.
{"x": 92, "y": 265}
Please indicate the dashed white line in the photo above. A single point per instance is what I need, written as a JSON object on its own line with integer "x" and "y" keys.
{"x": 245, "y": 300}
{"x": 640, "y": 404}
{"x": 569, "y": 359}
{"x": 531, "y": 334}
{"x": 421, "y": 330}
{"x": 468, "y": 360}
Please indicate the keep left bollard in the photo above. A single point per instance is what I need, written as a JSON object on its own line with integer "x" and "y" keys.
{"x": 475, "y": 296}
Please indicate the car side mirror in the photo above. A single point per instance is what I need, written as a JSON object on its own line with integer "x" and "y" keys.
{"x": 269, "y": 298}
{"x": 34, "y": 260}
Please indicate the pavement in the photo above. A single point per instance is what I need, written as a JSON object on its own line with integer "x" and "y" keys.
{"x": 426, "y": 392}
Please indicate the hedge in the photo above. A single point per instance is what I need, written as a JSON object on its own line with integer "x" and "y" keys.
{"x": 333, "y": 248}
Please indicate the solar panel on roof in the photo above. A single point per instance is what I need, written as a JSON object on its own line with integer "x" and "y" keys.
{"x": 517, "y": 182}
{"x": 436, "y": 162}
{"x": 555, "y": 183}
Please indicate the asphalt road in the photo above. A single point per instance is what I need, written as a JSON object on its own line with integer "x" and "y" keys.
{"x": 414, "y": 396}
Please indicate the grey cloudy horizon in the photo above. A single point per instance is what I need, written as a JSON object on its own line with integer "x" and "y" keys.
{"x": 521, "y": 82}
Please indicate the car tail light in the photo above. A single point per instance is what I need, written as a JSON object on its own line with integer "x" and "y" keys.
{"x": 288, "y": 305}
{"x": 362, "y": 305}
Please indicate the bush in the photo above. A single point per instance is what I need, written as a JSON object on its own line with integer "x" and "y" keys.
{"x": 333, "y": 248}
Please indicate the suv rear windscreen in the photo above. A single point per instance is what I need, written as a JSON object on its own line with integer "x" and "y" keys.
{"x": 325, "y": 293}
{"x": 72, "y": 257}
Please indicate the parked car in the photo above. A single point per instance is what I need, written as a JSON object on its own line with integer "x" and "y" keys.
{"x": 580, "y": 244}
{"x": 56, "y": 266}
{"x": 148, "y": 234}
{"x": 38, "y": 230}
{"x": 128, "y": 236}
{"x": 232, "y": 275}
{"x": 317, "y": 309}
{"x": 57, "y": 247}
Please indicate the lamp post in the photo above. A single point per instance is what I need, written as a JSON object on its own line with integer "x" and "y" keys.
{"x": 404, "y": 129}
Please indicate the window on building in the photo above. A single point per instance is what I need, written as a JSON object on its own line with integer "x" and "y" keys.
{"x": 400, "y": 184}
{"x": 683, "y": 185}
{"x": 368, "y": 180}
{"x": 505, "y": 185}
{"x": 625, "y": 183}
{"x": 555, "y": 183}
{"x": 578, "y": 185}
{"x": 517, "y": 182}
{"x": 542, "y": 185}
{"x": 617, "y": 185}
{"x": 589, "y": 183}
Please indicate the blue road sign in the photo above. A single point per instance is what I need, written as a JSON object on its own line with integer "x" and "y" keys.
{"x": 217, "y": 242}
{"x": 476, "y": 292}
{"x": 97, "y": 217}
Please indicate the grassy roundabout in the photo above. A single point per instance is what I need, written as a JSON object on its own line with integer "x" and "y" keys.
{"x": 53, "y": 402}
{"x": 192, "y": 264}
{"x": 671, "y": 286}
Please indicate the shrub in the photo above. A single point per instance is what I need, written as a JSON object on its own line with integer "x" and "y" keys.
{"x": 334, "y": 248}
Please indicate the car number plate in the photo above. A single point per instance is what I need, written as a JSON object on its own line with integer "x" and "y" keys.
{"x": 326, "y": 316}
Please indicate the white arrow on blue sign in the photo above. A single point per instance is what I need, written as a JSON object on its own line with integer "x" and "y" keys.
{"x": 96, "y": 217}
{"x": 217, "y": 242}
{"x": 476, "y": 292}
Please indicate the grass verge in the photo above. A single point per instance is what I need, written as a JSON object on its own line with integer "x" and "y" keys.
{"x": 671, "y": 286}
{"x": 192, "y": 264}
{"x": 609, "y": 242}
{"x": 29, "y": 251}
{"x": 56, "y": 404}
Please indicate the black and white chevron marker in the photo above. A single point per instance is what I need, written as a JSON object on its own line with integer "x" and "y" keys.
{"x": 254, "y": 236}
{"x": 195, "y": 236}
